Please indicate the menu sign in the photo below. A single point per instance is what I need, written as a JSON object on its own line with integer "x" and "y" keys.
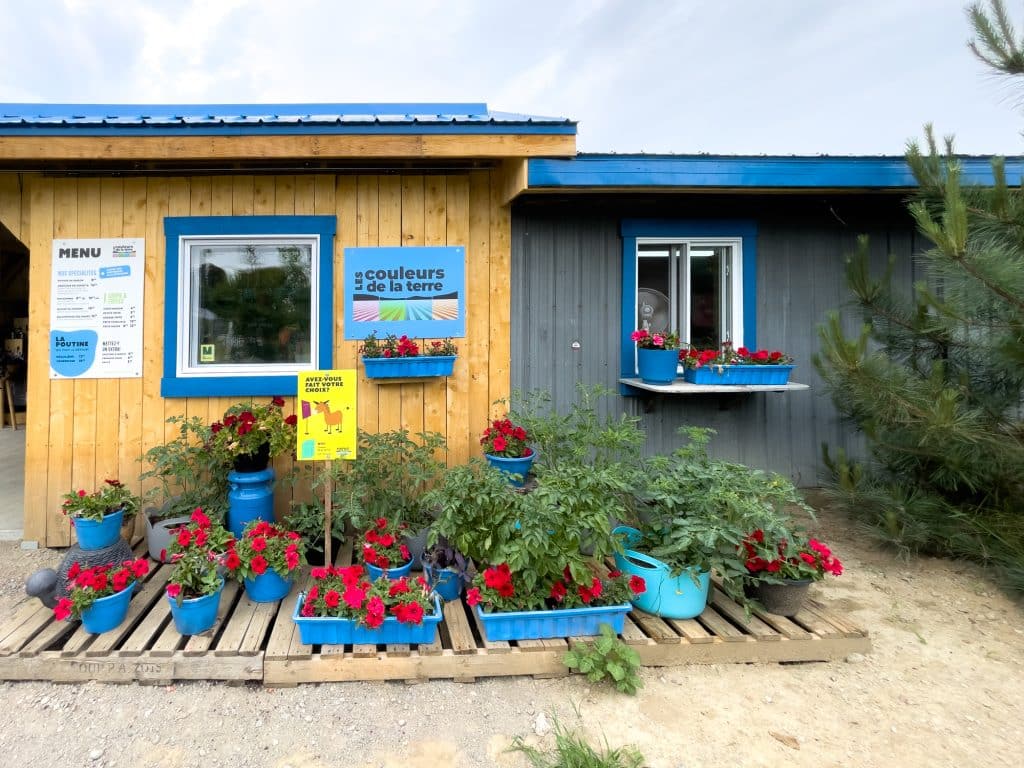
{"x": 96, "y": 308}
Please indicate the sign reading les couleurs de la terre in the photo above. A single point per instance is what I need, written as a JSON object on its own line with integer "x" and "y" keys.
{"x": 418, "y": 291}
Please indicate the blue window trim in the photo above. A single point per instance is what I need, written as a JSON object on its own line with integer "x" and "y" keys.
{"x": 632, "y": 229}
{"x": 176, "y": 227}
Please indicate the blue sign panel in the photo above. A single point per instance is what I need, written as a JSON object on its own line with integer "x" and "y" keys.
{"x": 416, "y": 291}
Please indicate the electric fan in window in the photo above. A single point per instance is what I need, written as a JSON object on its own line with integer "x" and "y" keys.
{"x": 653, "y": 310}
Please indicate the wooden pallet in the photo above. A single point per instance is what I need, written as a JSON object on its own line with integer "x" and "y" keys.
{"x": 259, "y": 642}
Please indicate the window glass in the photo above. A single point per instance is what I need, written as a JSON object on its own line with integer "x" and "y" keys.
{"x": 250, "y": 303}
{"x": 686, "y": 286}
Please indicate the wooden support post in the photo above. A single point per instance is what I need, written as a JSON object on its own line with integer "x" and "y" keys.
{"x": 328, "y": 498}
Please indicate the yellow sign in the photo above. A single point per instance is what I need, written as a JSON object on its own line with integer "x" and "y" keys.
{"x": 327, "y": 415}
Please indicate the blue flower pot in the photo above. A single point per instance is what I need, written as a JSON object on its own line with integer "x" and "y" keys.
{"x": 108, "y": 612}
{"x": 733, "y": 375}
{"x": 268, "y": 587}
{"x": 675, "y": 597}
{"x": 195, "y": 615}
{"x": 97, "y": 535}
{"x": 328, "y": 630}
{"x": 512, "y": 467}
{"x": 444, "y": 581}
{"x": 560, "y": 622}
{"x": 657, "y": 366}
{"x": 250, "y": 497}
{"x": 408, "y": 367}
{"x": 392, "y": 573}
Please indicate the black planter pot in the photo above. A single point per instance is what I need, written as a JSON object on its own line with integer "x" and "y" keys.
{"x": 783, "y": 599}
{"x": 315, "y": 552}
{"x": 253, "y": 462}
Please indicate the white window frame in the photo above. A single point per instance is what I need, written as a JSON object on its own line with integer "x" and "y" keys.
{"x": 733, "y": 281}
{"x": 184, "y": 367}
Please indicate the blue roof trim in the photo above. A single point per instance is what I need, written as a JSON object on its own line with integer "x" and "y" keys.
{"x": 725, "y": 172}
{"x": 269, "y": 119}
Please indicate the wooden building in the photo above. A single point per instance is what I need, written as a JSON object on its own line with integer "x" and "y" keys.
{"x": 386, "y": 175}
{"x": 563, "y": 256}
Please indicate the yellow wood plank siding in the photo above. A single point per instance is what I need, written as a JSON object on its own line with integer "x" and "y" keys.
{"x": 82, "y": 431}
{"x": 284, "y": 147}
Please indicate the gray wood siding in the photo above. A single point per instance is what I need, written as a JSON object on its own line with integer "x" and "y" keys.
{"x": 566, "y": 287}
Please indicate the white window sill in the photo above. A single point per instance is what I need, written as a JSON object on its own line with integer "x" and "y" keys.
{"x": 681, "y": 387}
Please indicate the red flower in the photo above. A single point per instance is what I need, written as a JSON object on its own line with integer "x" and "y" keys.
{"x": 354, "y": 596}
{"x": 259, "y": 565}
{"x": 173, "y": 590}
{"x": 318, "y": 573}
{"x": 500, "y": 444}
{"x": 139, "y": 568}
{"x": 63, "y": 609}
{"x": 374, "y": 620}
{"x": 386, "y": 540}
{"x": 558, "y": 591}
{"x": 506, "y": 589}
{"x": 259, "y": 544}
{"x": 637, "y": 585}
{"x": 200, "y": 519}
{"x": 278, "y": 401}
{"x": 291, "y": 420}
{"x": 473, "y": 596}
{"x": 184, "y": 537}
{"x": 332, "y": 598}
{"x": 404, "y": 550}
{"x": 774, "y": 566}
{"x": 382, "y": 522}
{"x": 614, "y": 573}
{"x": 216, "y": 427}
{"x": 398, "y": 587}
{"x": 74, "y": 570}
{"x": 291, "y": 559}
{"x": 232, "y": 561}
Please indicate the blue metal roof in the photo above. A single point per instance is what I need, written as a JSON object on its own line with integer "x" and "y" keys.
{"x": 739, "y": 171}
{"x": 249, "y": 119}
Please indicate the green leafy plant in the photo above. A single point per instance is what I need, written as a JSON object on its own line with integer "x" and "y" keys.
{"x": 698, "y": 510}
{"x": 390, "y": 476}
{"x": 197, "y": 551}
{"x": 607, "y": 658}
{"x": 571, "y": 750}
{"x": 190, "y": 476}
{"x": 440, "y": 348}
{"x": 111, "y": 496}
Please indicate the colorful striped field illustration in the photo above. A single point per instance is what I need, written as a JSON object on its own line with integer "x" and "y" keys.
{"x": 369, "y": 308}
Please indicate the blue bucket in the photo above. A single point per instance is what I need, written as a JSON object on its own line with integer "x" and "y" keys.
{"x": 657, "y": 366}
{"x": 107, "y": 612}
{"x": 268, "y": 587}
{"x": 195, "y": 615}
{"x": 445, "y": 582}
{"x": 94, "y": 534}
{"x": 392, "y": 573}
{"x": 513, "y": 467}
{"x": 675, "y": 597}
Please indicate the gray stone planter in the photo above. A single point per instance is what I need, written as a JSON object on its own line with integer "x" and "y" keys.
{"x": 783, "y": 599}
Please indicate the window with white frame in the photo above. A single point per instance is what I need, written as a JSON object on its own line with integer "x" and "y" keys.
{"x": 690, "y": 286}
{"x": 697, "y": 278}
{"x": 249, "y": 303}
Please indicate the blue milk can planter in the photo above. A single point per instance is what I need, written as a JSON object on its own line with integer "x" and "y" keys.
{"x": 561, "y": 622}
{"x": 511, "y": 467}
{"x": 408, "y": 367}
{"x": 444, "y": 581}
{"x": 195, "y": 615}
{"x": 108, "y": 612}
{"x": 675, "y": 597}
{"x": 267, "y": 587}
{"x": 657, "y": 366}
{"x": 250, "y": 496}
{"x": 392, "y": 573}
{"x": 93, "y": 534}
{"x": 328, "y": 630}
{"x": 738, "y": 375}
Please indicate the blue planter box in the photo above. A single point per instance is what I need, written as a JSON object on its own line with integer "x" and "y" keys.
{"x": 323, "y": 630}
{"x": 564, "y": 622}
{"x": 738, "y": 374}
{"x": 408, "y": 367}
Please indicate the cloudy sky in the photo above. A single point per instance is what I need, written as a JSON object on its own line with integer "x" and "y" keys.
{"x": 719, "y": 76}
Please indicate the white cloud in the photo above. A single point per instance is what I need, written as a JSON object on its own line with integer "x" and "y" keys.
{"x": 792, "y": 76}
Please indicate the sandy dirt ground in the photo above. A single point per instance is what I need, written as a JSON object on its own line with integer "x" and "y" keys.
{"x": 943, "y": 686}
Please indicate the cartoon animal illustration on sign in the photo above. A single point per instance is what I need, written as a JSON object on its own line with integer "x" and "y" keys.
{"x": 331, "y": 418}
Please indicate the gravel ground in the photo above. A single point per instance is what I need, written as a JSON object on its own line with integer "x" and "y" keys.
{"x": 942, "y": 687}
